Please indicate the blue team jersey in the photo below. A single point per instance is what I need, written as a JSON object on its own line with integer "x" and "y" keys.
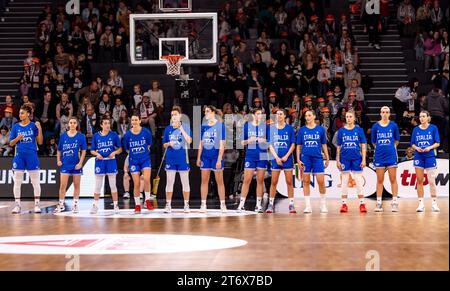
{"x": 281, "y": 139}
{"x": 211, "y": 137}
{"x": 311, "y": 140}
{"x": 384, "y": 137}
{"x": 178, "y": 153}
{"x": 139, "y": 144}
{"x": 423, "y": 138}
{"x": 255, "y": 151}
{"x": 70, "y": 148}
{"x": 28, "y": 143}
{"x": 105, "y": 145}
{"x": 350, "y": 141}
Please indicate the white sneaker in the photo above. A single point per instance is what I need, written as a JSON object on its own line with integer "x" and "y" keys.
{"x": 168, "y": 209}
{"x": 379, "y": 207}
{"x": 421, "y": 208}
{"x": 60, "y": 208}
{"x": 116, "y": 210}
{"x": 37, "y": 209}
{"x": 75, "y": 209}
{"x": 187, "y": 209}
{"x": 203, "y": 208}
{"x": 394, "y": 207}
{"x": 94, "y": 209}
{"x": 377, "y": 47}
{"x": 435, "y": 207}
{"x": 17, "y": 209}
{"x": 259, "y": 209}
{"x": 323, "y": 208}
{"x": 240, "y": 209}
{"x": 223, "y": 208}
{"x": 126, "y": 195}
{"x": 307, "y": 210}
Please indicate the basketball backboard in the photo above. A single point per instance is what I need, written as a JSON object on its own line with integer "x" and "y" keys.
{"x": 193, "y": 35}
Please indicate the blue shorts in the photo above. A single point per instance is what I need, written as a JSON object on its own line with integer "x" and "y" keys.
{"x": 425, "y": 162}
{"x": 252, "y": 165}
{"x": 177, "y": 167}
{"x": 28, "y": 162}
{"x": 351, "y": 165}
{"x": 288, "y": 165}
{"x": 313, "y": 165}
{"x": 384, "y": 165}
{"x": 105, "y": 167}
{"x": 70, "y": 170}
{"x": 210, "y": 164}
{"x": 136, "y": 166}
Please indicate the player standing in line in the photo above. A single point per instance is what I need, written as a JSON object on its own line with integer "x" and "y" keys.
{"x": 281, "y": 138}
{"x": 71, "y": 143}
{"x": 311, "y": 142}
{"x": 385, "y": 138}
{"x": 105, "y": 146}
{"x": 210, "y": 155}
{"x": 351, "y": 157}
{"x": 137, "y": 141}
{"x": 177, "y": 137}
{"x": 255, "y": 141}
{"x": 425, "y": 140}
{"x": 26, "y": 135}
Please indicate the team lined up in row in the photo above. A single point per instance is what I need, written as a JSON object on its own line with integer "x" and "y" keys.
{"x": 265, "y": 145}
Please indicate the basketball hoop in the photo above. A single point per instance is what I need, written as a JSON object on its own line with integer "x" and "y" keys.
{"x": 173, "y": 64}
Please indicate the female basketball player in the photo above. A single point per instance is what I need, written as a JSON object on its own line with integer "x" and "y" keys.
{"x": 25, "y": 135}
{"x": 210, "y": 155}
{"x": 425, "y": 140}
{"x": 177, "y": 137}
{"x": 68, "y": 157}
{"x": 281, "y": 145}
{"x": 137, "y": 142}
{"x": 255, "y": 142}
{"x": 311, "y": 142}
{"x": 351, "y": 157}
{"x": 105, "y": 146}
{"x": 385, "y": 138}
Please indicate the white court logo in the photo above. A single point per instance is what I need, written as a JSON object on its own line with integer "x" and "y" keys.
{"x": 114, "y": 244}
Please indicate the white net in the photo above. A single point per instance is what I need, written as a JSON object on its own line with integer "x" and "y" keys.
{"x": 173, "y": 64}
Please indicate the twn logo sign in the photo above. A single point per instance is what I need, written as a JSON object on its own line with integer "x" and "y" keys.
{"x": 73, "y": 7}
{"x": 373, "y": 7}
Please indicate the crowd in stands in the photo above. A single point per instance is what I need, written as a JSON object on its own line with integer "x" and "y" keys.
{"x": 303, "y": 58}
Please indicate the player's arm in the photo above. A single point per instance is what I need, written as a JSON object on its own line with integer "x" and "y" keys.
{"x": 199, "y": 153}
{"x": 40, "y": 136}
{"x": 290, "y": 151}
{"x": 363, "y": 154}
{"x": 58, "y": 158}
{"x": 186, "y": 135}
{"x": 325, "y": 151}
{"x": 80, "y": 163}
{"x": 338, "y": 157}
{"x": 298, "y": 151}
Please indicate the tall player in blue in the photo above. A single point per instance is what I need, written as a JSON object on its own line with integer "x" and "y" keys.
{"x": 137, "y": 141}
{"x": 311, "y": 142}
{"x": 281, "y": 138}
{"x": 351, "y": 157}
{"x": 105, "y": 146}
{"x": 176, "y": 140}
{"x": 25, "y": 135}
{"x": 425, "y": 140}
{"x": 385, "y": 138}
{"x": 72, "y": 148}
{"x": 210, "y": 155}
{"x": 255, "y": 141}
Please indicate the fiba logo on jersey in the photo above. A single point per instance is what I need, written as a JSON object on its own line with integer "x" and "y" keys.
{"x": 97, "y": 170}
{"x": 133, "y": 168}
{"x": 416, "y": 162}
{"x": 247, "y": 164}
{"x": 73, "y": 7}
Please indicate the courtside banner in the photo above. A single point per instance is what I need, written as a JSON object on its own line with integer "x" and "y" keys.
{"x": 332, "y": 183}
{"x": 407, "y": 181}
{"x": 49, "y": 179}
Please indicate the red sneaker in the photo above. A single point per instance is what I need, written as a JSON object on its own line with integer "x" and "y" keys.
{"x": 362, "y": 208}
{"x": 137, "y": 209}
{"x": 149, "y": 205}
{"x": 344, "y": 208}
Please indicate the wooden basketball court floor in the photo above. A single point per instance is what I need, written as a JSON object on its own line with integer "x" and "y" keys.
{"x": 400, "y": 241}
